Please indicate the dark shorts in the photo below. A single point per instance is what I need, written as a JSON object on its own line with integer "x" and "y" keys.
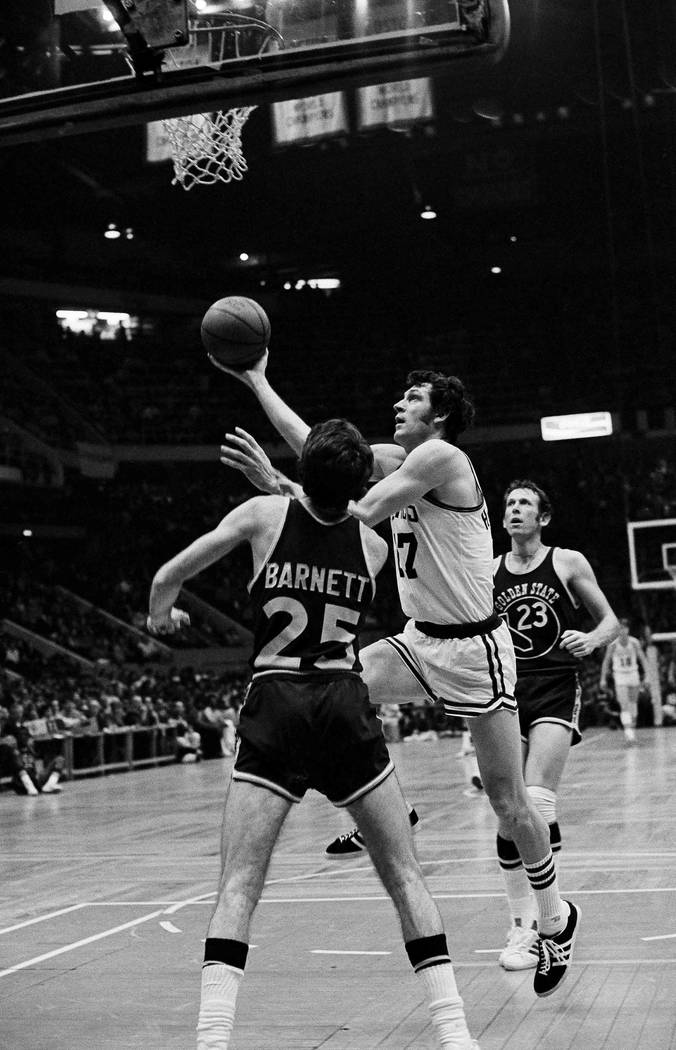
{"x": 555, "y": 697}
{"x": 314, "y": 733}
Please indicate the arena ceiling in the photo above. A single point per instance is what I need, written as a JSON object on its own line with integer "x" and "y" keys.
{"x": 566, "y": 144}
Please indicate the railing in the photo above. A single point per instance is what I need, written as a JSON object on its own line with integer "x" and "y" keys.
{"x": 112, "y": 750}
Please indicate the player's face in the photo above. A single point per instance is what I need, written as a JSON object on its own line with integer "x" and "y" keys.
{"x": 522, "y": 513}
{"x": 414, "y": 417}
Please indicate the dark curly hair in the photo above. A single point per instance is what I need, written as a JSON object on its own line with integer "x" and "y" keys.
{"x": 448, "y": 398}
{"x": 335, "y": 464}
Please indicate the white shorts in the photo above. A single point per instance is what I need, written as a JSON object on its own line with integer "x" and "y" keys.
{"x": 470, "y": 676}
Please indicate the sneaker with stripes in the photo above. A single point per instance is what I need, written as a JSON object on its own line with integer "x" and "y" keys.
{"x": 555, "y": 955}
{"x": 352, "y": 843}
{"x": 521, "y": 951}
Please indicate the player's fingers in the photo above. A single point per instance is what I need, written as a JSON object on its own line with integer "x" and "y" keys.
{"x": 244, "y": 435}
{"x": 239, "y": 441}
{"x": 231, "y": 459}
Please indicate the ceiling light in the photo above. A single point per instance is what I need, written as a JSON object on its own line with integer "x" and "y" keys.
{"x": 112, "y": 233}
{"x": 428, "y": 212}
{"x": 496, "y": 269}
{"x": 326, "y": 284}
{"x": 244, "y": 256}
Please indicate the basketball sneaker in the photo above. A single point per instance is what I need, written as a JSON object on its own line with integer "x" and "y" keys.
{"x": 555, "y": 954}
{"x": 521, "y": 950}
{"x": 351, "y": 844}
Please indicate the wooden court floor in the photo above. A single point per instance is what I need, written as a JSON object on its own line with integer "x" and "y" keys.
{"x": 106, "y": 891}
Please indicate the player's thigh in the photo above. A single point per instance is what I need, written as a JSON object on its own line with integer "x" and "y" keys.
{"x": 252, "y": 820}
{"x": 390, "y": 679}
{"x": 497, "y": 742}
{"x": 382, "y": 816}
{"x": 548, "y": 747}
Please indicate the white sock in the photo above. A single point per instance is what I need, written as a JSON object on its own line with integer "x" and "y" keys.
{"x": 627, "y": 725}
{"x": 28, "y": 783}
{"x": 220, "y": 984}
{"x": 51, "y": 784}
{"x": 446, "y": 1007}
{"x": 552, "y": 911}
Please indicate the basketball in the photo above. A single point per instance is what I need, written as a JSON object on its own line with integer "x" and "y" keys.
{"x": 236, "y": 331}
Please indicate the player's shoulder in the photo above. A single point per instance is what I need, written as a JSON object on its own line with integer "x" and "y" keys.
{"x": 569, "y": 562}
{"x": 386, "y": 459}
{"x": 262, "y": 511}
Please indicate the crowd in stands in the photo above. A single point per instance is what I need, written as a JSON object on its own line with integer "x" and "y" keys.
{"x": 85, "y": 590}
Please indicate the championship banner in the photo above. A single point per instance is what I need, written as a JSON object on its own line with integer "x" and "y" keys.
{"x": 303, "y": 119}
{"x": 158, "y": 146}
{"x": 403, "y": 102}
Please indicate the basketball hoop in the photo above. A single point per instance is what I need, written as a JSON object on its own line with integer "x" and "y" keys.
{"x": 207, "y": 147}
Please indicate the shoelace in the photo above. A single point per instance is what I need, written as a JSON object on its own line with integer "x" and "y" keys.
{"x": 551, "y": 954}
{"x": 350, "y": 835}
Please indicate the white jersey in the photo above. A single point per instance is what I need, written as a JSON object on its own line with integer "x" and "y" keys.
{"x": 624, "y": 661}
{"x": 444, "y": 561}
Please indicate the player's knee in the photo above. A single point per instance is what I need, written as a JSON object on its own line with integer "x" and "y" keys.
{"x": 510, "y": 807}
{"x": 544, "y": 800}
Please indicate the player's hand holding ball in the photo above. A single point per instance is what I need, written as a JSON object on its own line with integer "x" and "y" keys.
{"x": 175, "y": 621}
{"x": 235, "y": 334}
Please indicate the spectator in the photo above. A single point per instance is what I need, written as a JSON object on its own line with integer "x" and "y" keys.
{"x": 30, "y": 776}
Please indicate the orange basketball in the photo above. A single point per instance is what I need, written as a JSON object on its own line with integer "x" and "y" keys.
{"x": 236, "y": 331}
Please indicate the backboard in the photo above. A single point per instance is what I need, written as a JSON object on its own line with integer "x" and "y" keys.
{"x": 70, "y": 66}
{"x": 652, "y": 554}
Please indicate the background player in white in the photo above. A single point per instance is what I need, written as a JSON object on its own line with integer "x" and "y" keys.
{"x": 541, "y": 591}
{"x": 307, "y": 720}
{"x": 622, "y": 659}
{"x": 453, "y": 647}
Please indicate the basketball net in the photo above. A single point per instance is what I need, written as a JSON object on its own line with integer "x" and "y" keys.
{"x": 207, "y": 147}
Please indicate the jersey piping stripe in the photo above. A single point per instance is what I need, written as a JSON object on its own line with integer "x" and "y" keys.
{"x": 273, "y": 544}
{"x": 449, "y": 506}
{"x": 494, "y": 665}
{"x": 366, "y": 788}
{"x": 405, "y": 656}
{"x": 269, "y": 784}
{"x": 463, "y": 708}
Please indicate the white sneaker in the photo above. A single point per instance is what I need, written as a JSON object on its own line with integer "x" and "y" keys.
{"x": 521, "y": 950}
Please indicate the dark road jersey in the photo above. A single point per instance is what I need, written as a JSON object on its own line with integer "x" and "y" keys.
{"x": 538, "y": 609}
{"x": 311, "y": 596}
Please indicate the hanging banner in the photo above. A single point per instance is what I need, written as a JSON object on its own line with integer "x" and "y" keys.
{"x": 158, "y": 146}
{"x": 303, "y": 119}
{"x": 403, "y": 102}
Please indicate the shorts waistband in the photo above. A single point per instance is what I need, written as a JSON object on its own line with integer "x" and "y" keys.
{"x": 459, "y": 630}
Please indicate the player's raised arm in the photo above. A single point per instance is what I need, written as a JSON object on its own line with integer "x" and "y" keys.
{"x": 283, "y": 418}
{"x": 243, "y": 453}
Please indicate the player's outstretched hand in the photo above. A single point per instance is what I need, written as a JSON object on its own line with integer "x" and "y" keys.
{"x": 245, "y": 454}
{"x": 175, "y": 621}
{"x": 243, "y": 374}
{"x": 578, "y": 643}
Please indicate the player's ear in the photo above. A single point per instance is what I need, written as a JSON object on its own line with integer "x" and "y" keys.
{"x": 544, "y": 518}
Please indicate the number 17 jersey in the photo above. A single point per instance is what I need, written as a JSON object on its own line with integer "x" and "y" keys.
{"x": 444, "y": 561}
{"x": 311, "y": 596}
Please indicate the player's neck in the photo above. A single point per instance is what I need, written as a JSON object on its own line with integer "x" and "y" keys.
{"x": 525, "y": 553}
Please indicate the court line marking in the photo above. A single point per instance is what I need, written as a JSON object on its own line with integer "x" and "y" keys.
{"x": 169, "y": 927}
{"x": 43, "y": 918}
{"x": 79, "y": 944}
{"x": 660, "y": 937}
{"x": 330, "y": 951}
